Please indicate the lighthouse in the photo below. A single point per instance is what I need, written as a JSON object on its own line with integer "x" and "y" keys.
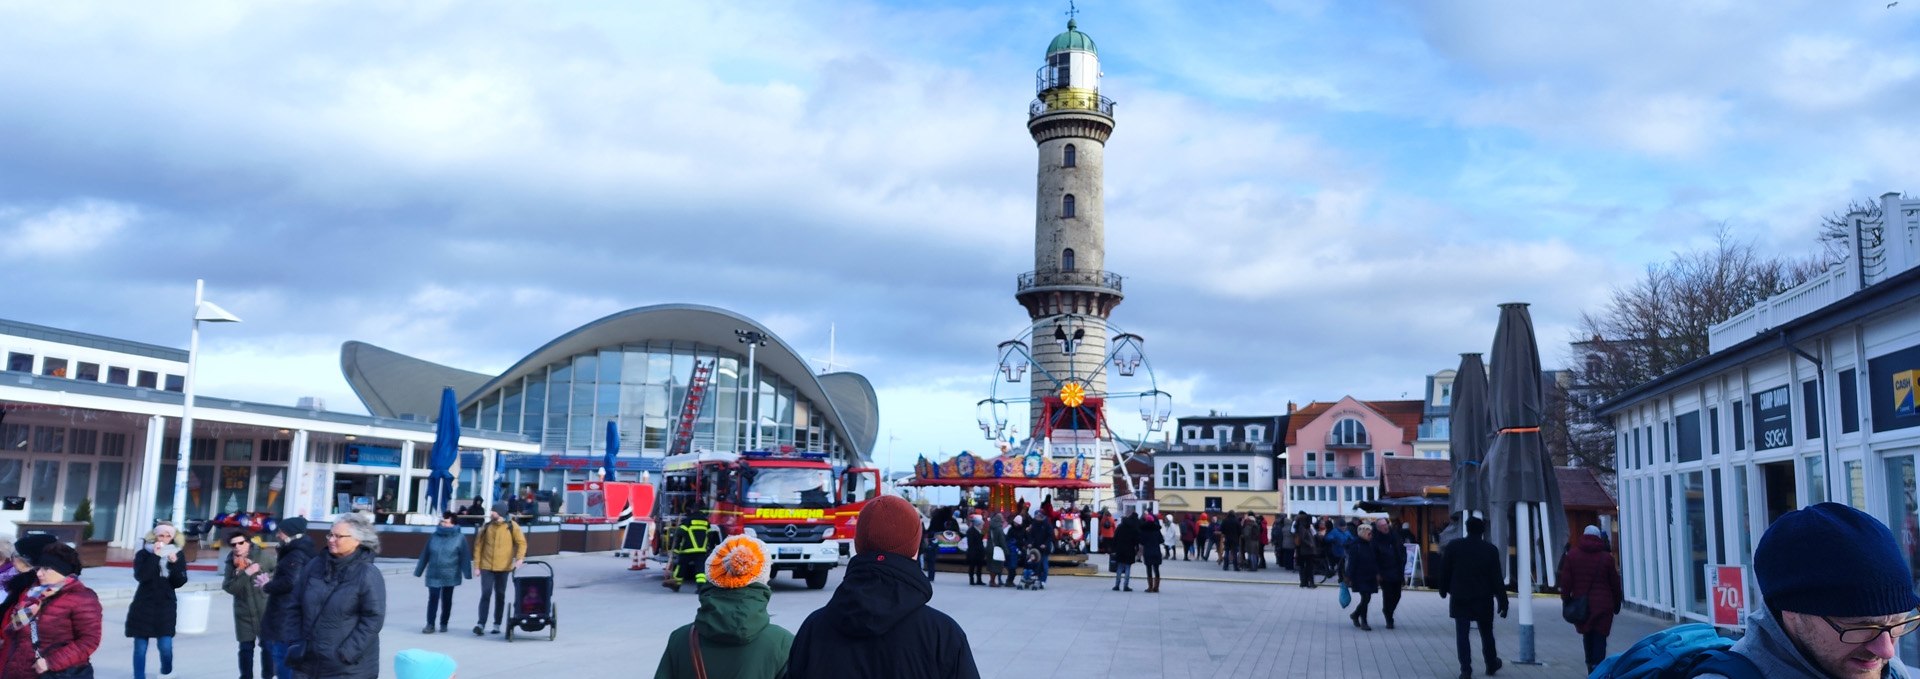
{"x": 1069, "y": 293}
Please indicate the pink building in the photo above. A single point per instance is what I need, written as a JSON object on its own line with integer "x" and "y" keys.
{"x": 1333, "y": 452}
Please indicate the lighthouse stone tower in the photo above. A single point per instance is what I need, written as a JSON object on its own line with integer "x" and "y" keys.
{"x": 1069, "y": 292}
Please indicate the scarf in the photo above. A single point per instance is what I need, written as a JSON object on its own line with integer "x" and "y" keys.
{"x": 29, "y": 606}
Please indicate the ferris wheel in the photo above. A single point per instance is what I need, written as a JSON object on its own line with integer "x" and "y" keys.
{"x": 1072, "y": 392}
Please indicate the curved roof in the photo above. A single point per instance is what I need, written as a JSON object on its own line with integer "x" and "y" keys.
{"x": 1071, "y": 40}
{"x": 850, "y": 403}
{"x": 396, "y": 385}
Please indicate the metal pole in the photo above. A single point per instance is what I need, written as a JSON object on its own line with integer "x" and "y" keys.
{"x": 1524, "y": 513}
{"x": 186, "y": 415}
{"x": 753, "y": 401}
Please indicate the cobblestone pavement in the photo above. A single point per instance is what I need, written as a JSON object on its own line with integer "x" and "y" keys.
{"x": 615, "y": 623}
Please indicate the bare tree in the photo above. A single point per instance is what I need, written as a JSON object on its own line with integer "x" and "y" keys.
{"x": 1836, "y": 232}
{"x": 1655, "y": 325}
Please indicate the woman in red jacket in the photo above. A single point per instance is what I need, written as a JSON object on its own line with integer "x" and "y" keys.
{"x": 62, "y": 612}
{"x": 1588, "y": 570}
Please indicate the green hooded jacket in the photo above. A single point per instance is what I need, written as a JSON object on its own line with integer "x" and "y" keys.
{"x": 736, "y": 637}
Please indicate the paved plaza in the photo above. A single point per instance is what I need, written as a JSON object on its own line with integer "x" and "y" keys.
{"x": 615, "y": 623}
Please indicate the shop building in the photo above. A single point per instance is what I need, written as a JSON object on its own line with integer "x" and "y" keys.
{"x": 1333, "y": 452}
{"x": 1220, "y": 464}
{"x": 1808, "y": 397}
{"x": 95, "y": 419}
{"x": 633, "y": 368}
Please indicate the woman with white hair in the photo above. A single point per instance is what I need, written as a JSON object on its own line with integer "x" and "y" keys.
{"x": 343, "y": 605}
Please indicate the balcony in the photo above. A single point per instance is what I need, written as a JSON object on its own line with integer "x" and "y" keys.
{"x": 1099, "y": 280}
{"x": 1337, "y": 443}
{"x": 1069, "y": 100}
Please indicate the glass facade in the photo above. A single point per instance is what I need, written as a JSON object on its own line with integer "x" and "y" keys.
{"x": 643, "y": 386}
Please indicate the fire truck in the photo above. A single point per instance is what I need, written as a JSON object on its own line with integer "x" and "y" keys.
{"x": 792, "y": 500}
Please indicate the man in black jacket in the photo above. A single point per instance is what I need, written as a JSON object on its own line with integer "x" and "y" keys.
{"x": 1230, "y": 542}
{"x": 1390, "y": 549}
{"x": 1470, "y": 572}
{"x": 280, "y": 624}
{"x": 878, "y": 623}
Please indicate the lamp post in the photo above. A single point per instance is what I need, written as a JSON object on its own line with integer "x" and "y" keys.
{"x": 754, "y": 339}
{"x": 203, "y": 310}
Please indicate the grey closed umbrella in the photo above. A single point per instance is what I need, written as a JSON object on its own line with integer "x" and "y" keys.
{"x": 1517, "y": 468}
{"x": 1469, "y": 437}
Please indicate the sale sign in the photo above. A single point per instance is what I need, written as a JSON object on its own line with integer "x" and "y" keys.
{"x": 1729, "y": 595}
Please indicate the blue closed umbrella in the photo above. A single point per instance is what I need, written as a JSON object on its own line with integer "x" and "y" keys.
{"x": 446, "y": 449}
{"x": 613, "y": 445}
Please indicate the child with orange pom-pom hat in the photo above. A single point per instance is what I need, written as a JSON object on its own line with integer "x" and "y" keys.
{"x": 731, "y": 635}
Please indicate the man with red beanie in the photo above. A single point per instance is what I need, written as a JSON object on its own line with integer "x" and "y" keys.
{"x": 878, "y": 623}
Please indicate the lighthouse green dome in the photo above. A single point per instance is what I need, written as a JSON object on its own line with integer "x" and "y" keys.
{"x": 1073, "y": 39}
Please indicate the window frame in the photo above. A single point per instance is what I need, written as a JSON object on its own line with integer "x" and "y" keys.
{"x": 1068, "y": 207}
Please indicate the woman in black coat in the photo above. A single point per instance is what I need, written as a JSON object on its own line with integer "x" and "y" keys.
{"x": 1125, "y": 550}
{"x": 976, "y": 553}
{"x": 1363, "y": 574}
{"x": 159, "y": 570}
{"x": 1151, "y": 537}
{"x": 343, "y": 605}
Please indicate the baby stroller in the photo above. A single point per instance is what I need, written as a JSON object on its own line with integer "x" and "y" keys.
{"x": 533, "y": 607}
{"x": 1030, "y": 572}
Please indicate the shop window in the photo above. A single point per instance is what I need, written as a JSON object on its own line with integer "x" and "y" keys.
{"x": 1066, "y": 206}
{"x": 1810, "y": 406}
{"x": 113, "y": 445}
{"x": 89, "y": 372}
{"x": 237, "y": 451}
{"x": 83, "y": 441}
{"x": 54, "y": 367}
{"x": 1739, "y": 426}
{"x": 1687, "y": 430}
{"x": 1713, "y": 432}
{"x": 117, "y": 376}
{"x": 1849, "y": 402}
{"x": 14, "y": 437}
{"x": 275, "y": 450}
{"x": 49, "y": 439}
{"x": 1069, "y": 157}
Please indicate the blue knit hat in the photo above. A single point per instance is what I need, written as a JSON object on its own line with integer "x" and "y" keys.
{"x": 1831, "y": 559}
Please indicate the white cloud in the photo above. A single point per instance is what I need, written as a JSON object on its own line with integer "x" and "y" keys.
{"x": 70, "y": 230}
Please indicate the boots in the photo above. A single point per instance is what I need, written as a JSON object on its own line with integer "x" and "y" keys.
{"x": 1153, "y": 584}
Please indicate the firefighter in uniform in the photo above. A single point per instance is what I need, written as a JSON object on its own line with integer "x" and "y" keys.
{"x": 691, "y": 542}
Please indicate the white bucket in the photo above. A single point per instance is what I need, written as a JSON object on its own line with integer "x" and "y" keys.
{"x": 193, "y": 610}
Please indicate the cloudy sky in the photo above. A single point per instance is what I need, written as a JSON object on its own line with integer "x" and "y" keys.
{"x": 1308, "y": 199}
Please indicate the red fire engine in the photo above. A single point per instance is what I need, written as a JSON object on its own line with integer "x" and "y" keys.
{"x": 791, "y": 500}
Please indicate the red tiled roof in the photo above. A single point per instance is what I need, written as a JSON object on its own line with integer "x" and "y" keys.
{"x": 1300, "y": 418}
{"x": 1410, "y": 477}
{"x": 1404, "y": 414}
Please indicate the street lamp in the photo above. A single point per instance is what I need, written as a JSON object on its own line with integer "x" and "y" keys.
{"x": 754, "y": 339}
{"x": 203, "y": 310}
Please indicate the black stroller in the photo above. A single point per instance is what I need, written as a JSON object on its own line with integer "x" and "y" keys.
{"x": 533, "y": 607}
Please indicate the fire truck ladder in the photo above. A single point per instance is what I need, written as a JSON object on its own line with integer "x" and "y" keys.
{"x": 690, "y": 410}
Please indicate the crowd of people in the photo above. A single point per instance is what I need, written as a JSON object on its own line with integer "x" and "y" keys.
{"x": 306, "y": 610}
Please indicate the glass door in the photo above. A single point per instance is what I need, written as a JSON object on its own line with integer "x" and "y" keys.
{"x": 1903, "y": 509}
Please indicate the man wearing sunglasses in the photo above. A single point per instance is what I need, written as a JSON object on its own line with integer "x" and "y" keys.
{"x": 1838, "y": 597}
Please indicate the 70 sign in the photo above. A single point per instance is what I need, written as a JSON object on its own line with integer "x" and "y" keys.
{"x": 1729, "y": 588}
